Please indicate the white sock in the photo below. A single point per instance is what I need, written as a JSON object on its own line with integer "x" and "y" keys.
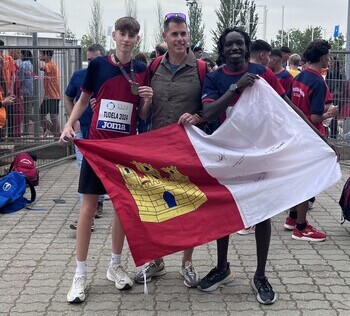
{"x": 115, "y": 259}
{"x": 81, "y": 268}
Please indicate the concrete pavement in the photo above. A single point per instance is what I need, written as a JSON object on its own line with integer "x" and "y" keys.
{"x": 37, "y": 263}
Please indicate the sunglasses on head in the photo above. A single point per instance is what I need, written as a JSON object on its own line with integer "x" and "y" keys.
{"x": 175, "y": 15}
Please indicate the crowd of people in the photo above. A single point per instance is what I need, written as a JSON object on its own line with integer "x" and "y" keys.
{"x": 177, "y": 86}
{"x": 17, "y": 84}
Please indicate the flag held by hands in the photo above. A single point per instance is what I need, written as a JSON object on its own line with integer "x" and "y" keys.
{"x": 176, "y": 188}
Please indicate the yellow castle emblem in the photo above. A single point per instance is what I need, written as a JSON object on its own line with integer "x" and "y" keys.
{"x": 161, "y": 198}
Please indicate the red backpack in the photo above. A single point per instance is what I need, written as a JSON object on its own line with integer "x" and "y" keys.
{"x": 201, "y": 67}
{"x": 24, "y": 163}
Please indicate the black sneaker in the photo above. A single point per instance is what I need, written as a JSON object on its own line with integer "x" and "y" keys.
{"x": 74, "y": 226}
{"x": 264, "y": 292}
{"x": 214, "y": 279}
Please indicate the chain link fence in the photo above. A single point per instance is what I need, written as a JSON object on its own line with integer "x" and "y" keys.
{"x": 33, "y": 124}
{"x": 339, "y": 84}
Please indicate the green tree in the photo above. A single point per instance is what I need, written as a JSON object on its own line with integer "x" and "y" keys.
{"x": 240, "y": 13}
{"x": 131, "y": 10}
{"x": 158, "y": 33}
{"x": 196, "y": 26}
{"x": 296, "y": 39}
{"x": 338, "y": 43}
{"x": 69, "y": 35}
{"x": 96, "y": 32}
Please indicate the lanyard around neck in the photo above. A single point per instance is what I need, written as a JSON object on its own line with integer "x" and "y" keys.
{"x": 132, "y": 74}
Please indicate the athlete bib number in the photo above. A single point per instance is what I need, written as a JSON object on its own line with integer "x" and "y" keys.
{"x": 115, "y": 116}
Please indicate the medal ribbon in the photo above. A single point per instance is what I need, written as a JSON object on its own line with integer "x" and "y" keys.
{"x": 119, "y": 64}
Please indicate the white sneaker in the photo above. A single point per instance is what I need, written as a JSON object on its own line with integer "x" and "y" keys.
{"x": 117, "y": 274}
{"x": 247, "y": 231}
{"x": 76, "y": 293}
{"x": 191, "y": 277}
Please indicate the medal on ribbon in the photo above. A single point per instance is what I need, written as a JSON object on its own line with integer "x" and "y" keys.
{"x": 134, "y": 86}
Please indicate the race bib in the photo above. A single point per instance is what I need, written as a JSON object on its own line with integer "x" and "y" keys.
{"x": 115, "y": 116}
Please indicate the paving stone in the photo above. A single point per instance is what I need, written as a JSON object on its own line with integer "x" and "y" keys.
{"x": 38, "y": 258}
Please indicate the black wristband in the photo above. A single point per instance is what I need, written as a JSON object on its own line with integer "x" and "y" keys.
{"x": 1, "y": 104}
{"x": 199, "y": 113}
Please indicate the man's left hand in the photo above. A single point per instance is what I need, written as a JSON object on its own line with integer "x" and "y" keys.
{"x": 188, "y": 118}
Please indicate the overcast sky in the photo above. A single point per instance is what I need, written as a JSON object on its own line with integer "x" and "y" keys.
{"x": 297, "y": 14}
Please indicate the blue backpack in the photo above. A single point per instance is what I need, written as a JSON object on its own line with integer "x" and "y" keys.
{"x": 12, "y": 190}
{"x": 344, "y": 201}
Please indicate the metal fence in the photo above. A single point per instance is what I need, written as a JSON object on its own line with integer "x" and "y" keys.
{"x": 339, "y": 84}
{"x": 29, "y": 126}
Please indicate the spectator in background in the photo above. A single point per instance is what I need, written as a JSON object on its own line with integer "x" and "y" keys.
{"x": 275, "y": 64}
{"x": 260, "y": 52}
{"x": 312, "y": 96}
{"x": 220, "y": 61}
{"x": 26, "y": 79}
{"x": 161, "y": 49}
{"x": 197, "y": 50}
{"x": 210, "y": 63}
{"x": 286, "y": 52}
{"x": 4, "y": 102}
{"x": 52, "y": 96}
{"x": 335, "y": 80}
{"x": 141, "y": 57}
{"x": 8, "y": 71}
{"x": 15, "y": 110}
{"x": 294, "y": 64}
{"x": 152, "y": 55}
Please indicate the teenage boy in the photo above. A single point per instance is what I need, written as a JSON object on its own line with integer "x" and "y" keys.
{"x": 52, "y": 96}
{"x": 283, "y": 75}
{"x": 260, "y": 52}
{"x": 311, "y": 95}
{"x": 222, "y": 89}
{"x": 119, "y": 78}
{"x": 82, "y": 126}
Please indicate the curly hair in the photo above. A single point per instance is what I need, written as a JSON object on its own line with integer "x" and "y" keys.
{"x": 316, "y": 50}
{"x": 222, "y": 38}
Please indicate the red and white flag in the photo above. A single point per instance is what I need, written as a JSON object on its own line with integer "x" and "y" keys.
{"x": 177, "y": 188}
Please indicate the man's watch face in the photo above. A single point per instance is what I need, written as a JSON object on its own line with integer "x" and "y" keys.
{"x": 233, "y": 87}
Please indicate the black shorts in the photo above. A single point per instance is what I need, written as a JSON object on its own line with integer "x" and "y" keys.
{"x": 50, "y": 106}
{"x": 89, "y": 182}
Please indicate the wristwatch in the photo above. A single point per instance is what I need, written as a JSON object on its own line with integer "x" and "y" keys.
{"x": 233, "y": 88}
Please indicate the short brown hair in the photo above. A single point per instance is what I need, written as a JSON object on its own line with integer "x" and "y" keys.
{"x": 127, "y": 24}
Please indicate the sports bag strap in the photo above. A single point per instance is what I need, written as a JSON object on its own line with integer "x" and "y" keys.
{"x": 32, "y": 191}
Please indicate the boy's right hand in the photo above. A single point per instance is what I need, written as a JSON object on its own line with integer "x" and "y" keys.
{"x": 247, "y": 80}
{"x": 67, "y": 135}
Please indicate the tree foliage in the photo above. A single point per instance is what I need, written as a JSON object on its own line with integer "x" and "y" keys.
{"x": 338, "y": 43}
{"x": 297, "y": 40}
{"x": 196, "y": 26}
{"x": 131, "y": 10}
{"x": 240, "y": 13}
{"x": 158, "y": 37}
{"x": 96, "y": 33}
{"x": 69, "y": 35}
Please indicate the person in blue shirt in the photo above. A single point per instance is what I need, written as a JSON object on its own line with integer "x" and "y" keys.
{"x": 82, "y": 126}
